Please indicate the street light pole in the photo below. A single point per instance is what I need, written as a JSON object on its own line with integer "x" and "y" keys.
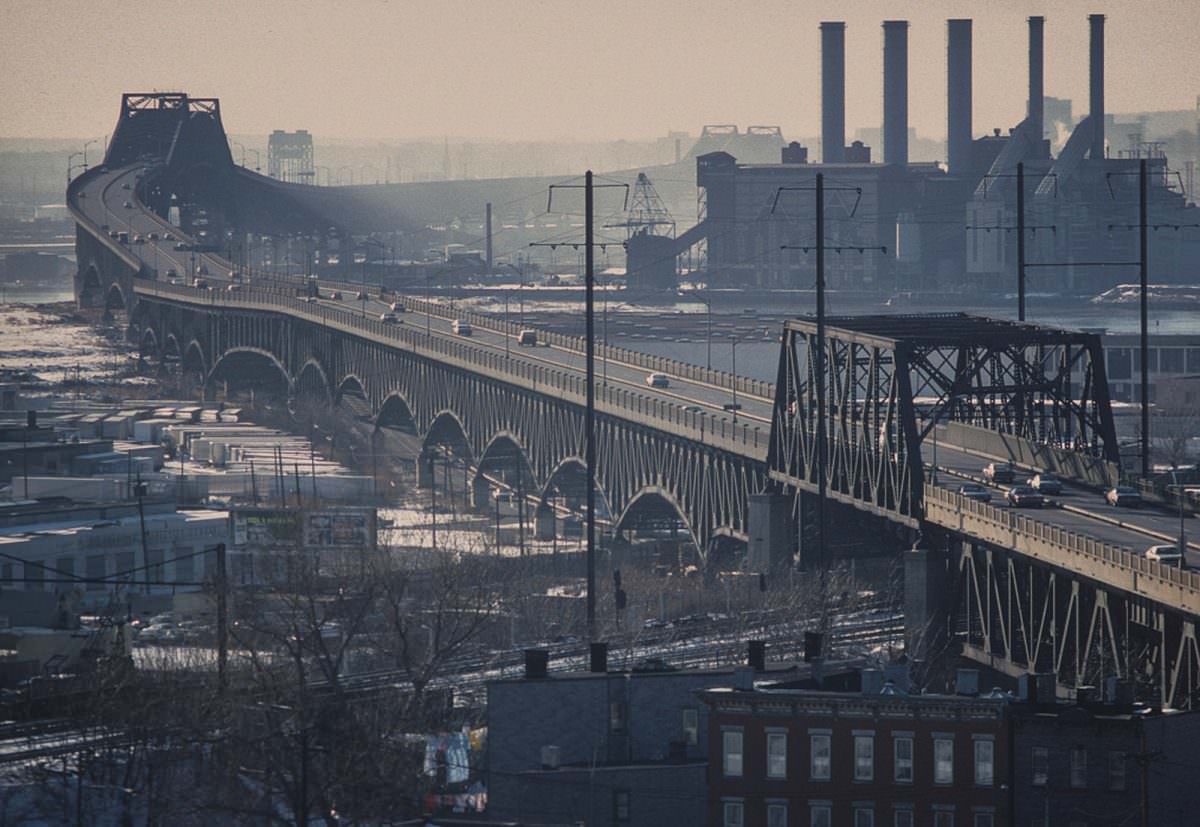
{"x": 708, "y": 307}
{"x": 1182, "y": 531}
{"x": 733, "y": 343}
{"x": 507, "y": 352}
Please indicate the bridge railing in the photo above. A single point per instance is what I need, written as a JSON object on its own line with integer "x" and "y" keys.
{"x": 649, "y": 362}
{"x": 708, "y": 428}
{"x": 1113, "y": 564}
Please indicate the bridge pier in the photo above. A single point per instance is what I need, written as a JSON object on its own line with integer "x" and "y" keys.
{"x": 770, "y": 527}
{"x": 425, "y": 470}
{"x": 544, "y": 522}
{"x": 481, "y": 494}
{"x": 924, "y": 600}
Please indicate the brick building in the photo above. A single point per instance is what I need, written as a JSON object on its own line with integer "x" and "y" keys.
{"x": 791, "y": 757}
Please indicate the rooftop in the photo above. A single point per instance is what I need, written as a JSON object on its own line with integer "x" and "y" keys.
{"x": 937, "y": 329}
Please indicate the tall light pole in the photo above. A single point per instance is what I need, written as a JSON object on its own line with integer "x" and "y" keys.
{"x": 733, "y": 346}
{"x": 71, "y": 163}
{"x": 85, "y": 148}
{"x": 507, "y": 353}
{"x": 1182, "y": 531}
{"x": 708, "y": 307}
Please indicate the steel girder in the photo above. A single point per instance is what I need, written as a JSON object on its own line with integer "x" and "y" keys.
{"x": 1018, "y": 615}
{"x": 709, "y": 487}
{"x": 882, "y": 371}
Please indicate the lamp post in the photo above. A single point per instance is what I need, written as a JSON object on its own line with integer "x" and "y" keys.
{"x": 85, "y": 147}
{"x": 428, "y": 285}
{"x": 1182, "y": 531}
{"x": 604, "y": 352}
{"x": 708, "y": 307}
{"x": 507, "y": 354}
{"x": 71, "y": 163}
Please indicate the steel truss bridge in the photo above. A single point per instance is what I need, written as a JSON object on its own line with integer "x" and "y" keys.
{"x": 913, "y": 406}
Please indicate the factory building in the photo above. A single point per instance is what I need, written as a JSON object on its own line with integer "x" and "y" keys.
{"x": 892, "y": 225}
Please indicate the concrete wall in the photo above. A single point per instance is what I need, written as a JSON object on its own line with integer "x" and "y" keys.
{"x": 1070, "y": 465}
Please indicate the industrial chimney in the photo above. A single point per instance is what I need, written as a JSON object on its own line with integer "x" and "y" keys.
{"x": 1035, "y": 108}
{"x": 895, "y": 91}
{"x": 833, "y": 92}
{"x": 958, "y": 96}
{"x": 1096, "y": 84}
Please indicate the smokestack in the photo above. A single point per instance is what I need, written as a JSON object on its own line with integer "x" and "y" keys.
{"x": 895, "y": 91}
{"x": 1036, "y": 105}
{"x": 1096, "y": 84}
{"x": 833, "y": 92}
{"x": 489, "y": 238}
{"x": 958, "y": 96}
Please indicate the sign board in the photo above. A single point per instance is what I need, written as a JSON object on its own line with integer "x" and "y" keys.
{"x": 347, "y": 528}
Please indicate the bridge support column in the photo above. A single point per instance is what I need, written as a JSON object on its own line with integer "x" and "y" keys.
{"x": 425, "y": 470}
{"x": 769, "y": 525}
{"x": 924, "y": 604}
{"x": 481, "y": 494}
{"x": 543, "y": 522}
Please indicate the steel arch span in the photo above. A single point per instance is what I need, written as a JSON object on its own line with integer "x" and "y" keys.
{"x": 708, "y": 485}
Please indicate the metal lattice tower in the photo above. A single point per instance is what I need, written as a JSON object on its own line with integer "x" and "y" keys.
{"x": 647, "y": 212}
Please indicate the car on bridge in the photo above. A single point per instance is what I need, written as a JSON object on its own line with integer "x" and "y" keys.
{"x": 153, "y": 236}
{"x": 975, "y": 491}
{"x": 181, "y": 247}
{"x": 388, "y": 318}
{"x": 527, "y": 338}
{"x": 1000, "y": 473}
{"x": 128, "y": 205}
{"x": 658, "y": 380}
{"x": 361, "y": 296}
{"x": 233, "y": 287}
{"x": 113, "y": 234}
{"x": 336, "y": 295}
{"x": 462, "y": 328}
{"x": 1022, "y": 496}
{"x": 1123, "y": 496}
{"x": 691, "y": 409}
{"x": 732, "y": 407}
{"x": 1045, "y": 483}
{"x": 1167, "y": 554}
{"x": 200, "y": 284}
{"x": 397, "y": 307}
{"x": 126, "y": 186}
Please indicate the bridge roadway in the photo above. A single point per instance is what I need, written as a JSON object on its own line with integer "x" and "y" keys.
{"x": 691, "y": 407}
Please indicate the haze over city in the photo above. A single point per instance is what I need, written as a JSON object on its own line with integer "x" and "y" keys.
{"x": 521, "y": 70}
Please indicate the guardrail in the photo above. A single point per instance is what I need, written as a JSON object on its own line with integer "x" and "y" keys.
{"x": 717, "y": 431}
{"x": 1091, "y": 471}
{"x": 1113, "y": 565}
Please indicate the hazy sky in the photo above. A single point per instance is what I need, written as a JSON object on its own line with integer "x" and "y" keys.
{"x": 576, "y": 69}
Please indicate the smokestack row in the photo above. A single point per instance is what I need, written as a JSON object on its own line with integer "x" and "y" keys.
{"x": 958, "y": 89}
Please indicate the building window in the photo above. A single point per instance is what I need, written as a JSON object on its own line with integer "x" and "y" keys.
{"x": 776, "y": 755}
{"x": 864, "y": 816}
{"x": 6, "y": 572}
{"x": 96, "y": 568}
{"x": 1170, "y": 360}
{"x": 733, "y": 814}
{"x": 691, "y": 726}
{"x": 820, "y": 757}
{"x": 820, "y": 815}
{"x": 1116, "y": 770}
{"x": 943, "y": 761}
{"x": 1079, "y": 767}
{"x": 985, "y": 753}
{"x": 1041, "y": 766}
{"x": 902, "y": 749}
{"x": 985, "y": 820}
{"x": 732, "y": 752}
{"x": 616, "y": 717}
{"x": 943, "y": 818}
{"x": 864, "y": 757}
{"x": 776, "y": 814}
{"x": 903, "y": 818}
{"x": 621, "y": 805}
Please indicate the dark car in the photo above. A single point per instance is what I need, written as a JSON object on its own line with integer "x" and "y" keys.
{"x": 1001, "y": 473}
{"x": 974, "y": 491}
{"x": 1123, "y": 497}
{"x": 1046, "y": 483}
{"x": 1022, "y": 496}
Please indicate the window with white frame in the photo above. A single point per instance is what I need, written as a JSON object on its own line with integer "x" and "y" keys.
{"x": 691, "y": 726}
{"x": 777, "y": 814}
{"x": 776, "y": 755}
{"x": 985, "y": 761}
{"x": 1040, "y": 761}
{"x": 902, "y": 752}
{"x": 731, "y": 751}
{"x": 864, "y": 757}
{"x": 734, "y": 813}
{"x": 943, "y": 760}
{"x": 1079, "y": 767}
{"x": 820, "y": 814}
{"x": 821, "y": 753}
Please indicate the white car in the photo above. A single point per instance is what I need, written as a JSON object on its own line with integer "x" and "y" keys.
{"x": 397, "y": 307}
{"x": 462, "y": 328}
{"x": 388, "y": 318}
{"x": 1166, "y": 554}
{"x": 658, "y": 380}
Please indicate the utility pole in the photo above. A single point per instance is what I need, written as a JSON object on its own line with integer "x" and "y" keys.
{"x": 821, "y": 551}
{"x": 222, "y": 619}
{"x": 1143, "y": 276}
{"x": 1021, "y": 241}
{"x": 589, "y": 188}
